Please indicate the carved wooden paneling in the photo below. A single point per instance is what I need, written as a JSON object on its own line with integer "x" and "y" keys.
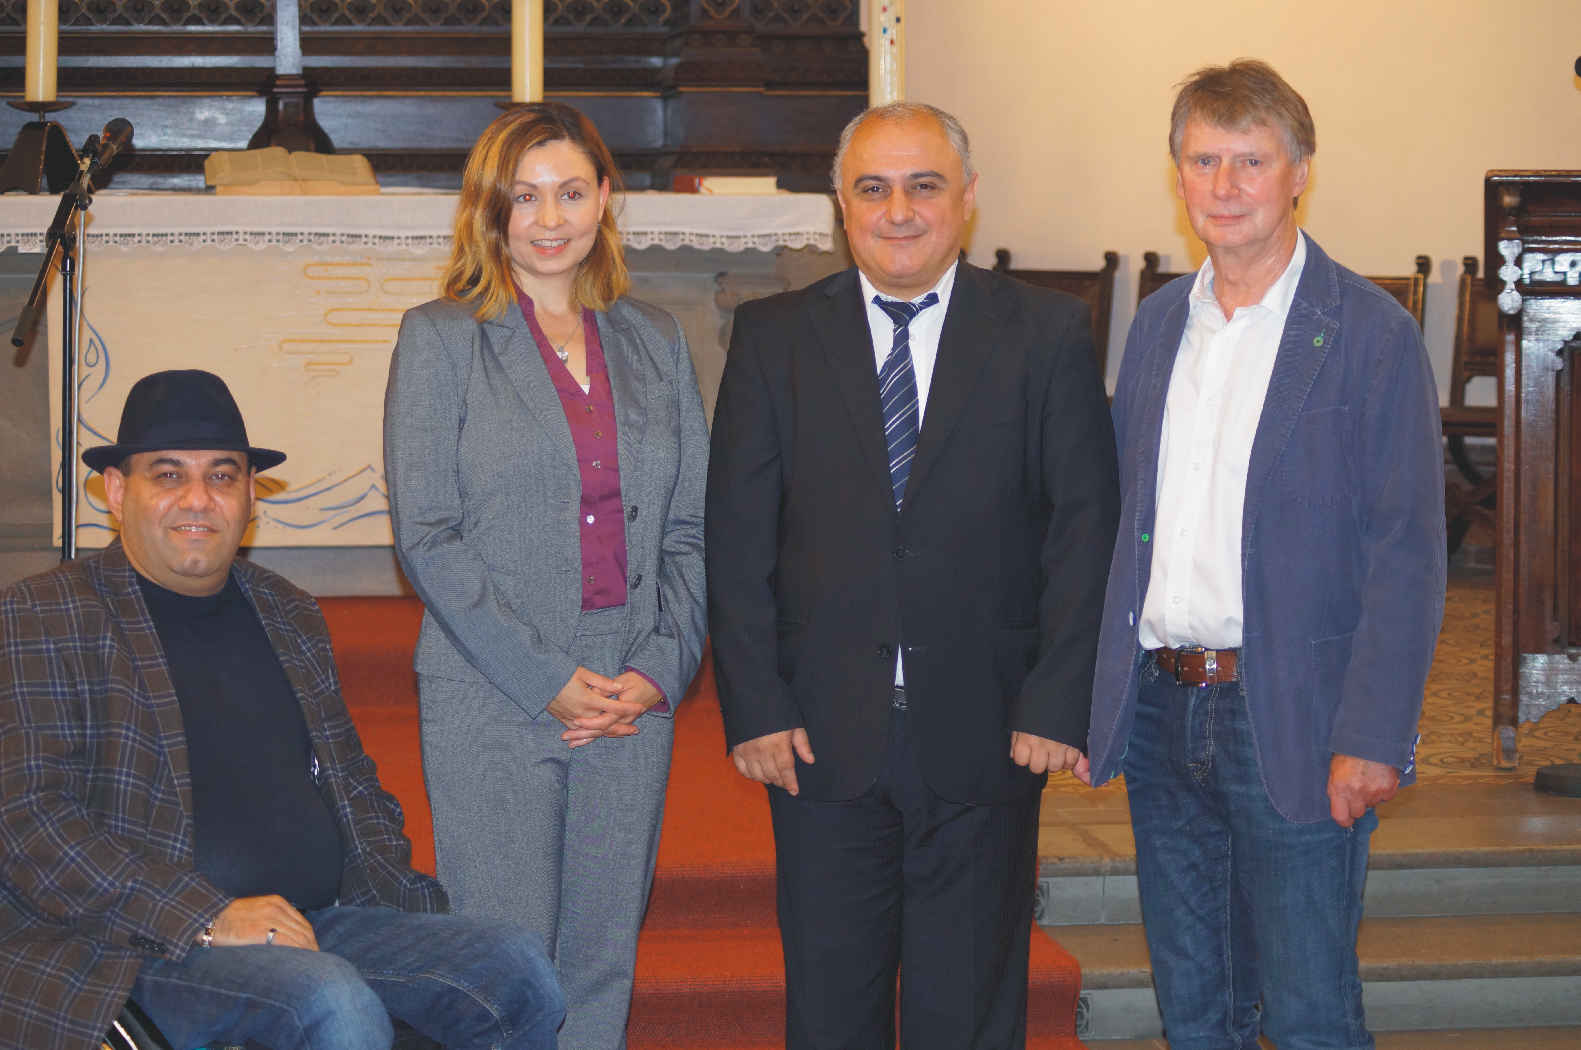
{"x": 676, "y": 85}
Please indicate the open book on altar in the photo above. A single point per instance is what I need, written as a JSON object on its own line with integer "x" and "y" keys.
{"x": 278, "y": 171}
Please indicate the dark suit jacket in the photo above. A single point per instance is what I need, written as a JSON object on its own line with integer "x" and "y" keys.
{"x": 96, "y": 796}
{"x": 991, "y": 577}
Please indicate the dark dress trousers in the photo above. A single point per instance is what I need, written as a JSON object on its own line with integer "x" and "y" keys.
{"x": 989, "y": 581}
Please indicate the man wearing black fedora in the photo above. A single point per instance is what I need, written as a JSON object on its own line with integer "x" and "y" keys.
{"x": 187, "y": 817}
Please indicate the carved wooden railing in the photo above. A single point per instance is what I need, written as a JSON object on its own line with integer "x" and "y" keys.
{"x": 675, "y": 85}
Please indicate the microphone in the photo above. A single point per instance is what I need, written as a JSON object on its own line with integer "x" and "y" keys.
{"x": 116, "y": 136}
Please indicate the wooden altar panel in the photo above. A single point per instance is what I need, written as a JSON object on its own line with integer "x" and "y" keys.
{"x": 676, "y": 86}
{"x": 1534, "y": 224}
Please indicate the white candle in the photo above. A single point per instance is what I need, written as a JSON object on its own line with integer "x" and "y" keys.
{"x": 886, "y": 53}
{"x": 43, "y": 46}
{"x": 527, "y": 50}
{"x": 287, "y": 39}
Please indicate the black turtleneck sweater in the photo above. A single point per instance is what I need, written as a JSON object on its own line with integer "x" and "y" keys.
{"x": 261, "y": 824}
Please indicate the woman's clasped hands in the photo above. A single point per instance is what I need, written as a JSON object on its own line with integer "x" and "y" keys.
{"x": 592, "y": 705}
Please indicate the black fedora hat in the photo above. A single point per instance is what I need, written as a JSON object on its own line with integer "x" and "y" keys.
{"x": 181, "y": 409}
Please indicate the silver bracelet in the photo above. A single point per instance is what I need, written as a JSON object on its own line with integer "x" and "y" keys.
{"x": 206, "y": 938}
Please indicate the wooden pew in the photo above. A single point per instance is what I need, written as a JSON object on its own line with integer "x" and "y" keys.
{"x": 1409, "y": 290}
{"x": 1093, "y": 287}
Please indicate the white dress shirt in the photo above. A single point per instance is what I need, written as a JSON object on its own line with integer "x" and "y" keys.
{"x": 925, "y": 330}
{"x": 1215, "y": 399}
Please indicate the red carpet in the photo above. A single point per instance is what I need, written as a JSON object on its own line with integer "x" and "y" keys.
{"x": 709, "y": 971}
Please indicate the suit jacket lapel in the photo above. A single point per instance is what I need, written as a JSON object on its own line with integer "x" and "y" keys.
{"x": 970, "y": 336}
{"x": 286, "y": 641}
{"x": 518, "y": 356}
{"x": 847, "y": 344}
{"x": 630, "y": 383}
{"x": 1148, "y": 411}
{"x": 125, "y": 600}
{"x": 1310, "y": 331}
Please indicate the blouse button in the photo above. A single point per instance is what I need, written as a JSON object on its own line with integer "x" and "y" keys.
{"x": 598, "y": 464}
{"x": 589, "y": 519}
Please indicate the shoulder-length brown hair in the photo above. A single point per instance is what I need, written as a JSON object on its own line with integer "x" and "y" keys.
{"x": 479, "y": 271}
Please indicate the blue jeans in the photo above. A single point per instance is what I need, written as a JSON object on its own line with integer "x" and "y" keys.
{"x": 462, "y": 982}
{"x": 1251, "y": 918}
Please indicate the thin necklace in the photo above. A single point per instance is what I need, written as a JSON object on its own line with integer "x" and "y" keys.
{"x": 560, "y": 351}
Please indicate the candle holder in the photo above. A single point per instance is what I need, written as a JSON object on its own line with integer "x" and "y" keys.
{"x": 42, "y": 153}
{"x": 288, "y": 117}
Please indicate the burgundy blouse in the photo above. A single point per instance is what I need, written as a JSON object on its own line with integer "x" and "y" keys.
{"x": 591, "y": 415}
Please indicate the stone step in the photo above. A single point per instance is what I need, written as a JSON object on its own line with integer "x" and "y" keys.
{"x": 1066, "y": 900}
{"x": 1434, "y": 1039}
{"x": 1439, "y": 850}
{"x": 1459, "y": 972}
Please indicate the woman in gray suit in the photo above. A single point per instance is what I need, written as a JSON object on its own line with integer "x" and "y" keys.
{"x": 546, "y": 451}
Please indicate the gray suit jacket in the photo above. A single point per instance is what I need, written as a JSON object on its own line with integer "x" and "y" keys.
{"x": 485, "y": 492}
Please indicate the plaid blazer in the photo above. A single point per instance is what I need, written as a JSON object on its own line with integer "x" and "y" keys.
{"x": 96, "y": 795}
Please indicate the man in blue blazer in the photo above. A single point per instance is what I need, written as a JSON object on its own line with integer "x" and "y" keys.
{"x": 1276, "y": 588}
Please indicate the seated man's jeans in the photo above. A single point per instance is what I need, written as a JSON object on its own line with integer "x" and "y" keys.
{"x": 460, "y": 981}
{"x": 1246, "y": 913}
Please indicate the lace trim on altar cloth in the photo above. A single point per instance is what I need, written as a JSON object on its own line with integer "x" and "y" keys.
{"x": 416, "y": 243}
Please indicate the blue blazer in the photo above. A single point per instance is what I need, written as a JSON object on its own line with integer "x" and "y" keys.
{"x": 1342, "y": 536}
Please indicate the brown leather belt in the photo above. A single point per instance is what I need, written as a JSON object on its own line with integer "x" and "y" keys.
{"x": 1194, "y": 665}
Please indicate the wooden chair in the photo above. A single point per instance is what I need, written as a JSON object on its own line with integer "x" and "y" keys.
{"x": 1476, "y": 356}
{"x": 1093, "y": 287}
{"x": 1410, "y": 290}
{"x": 1151, "y": 279}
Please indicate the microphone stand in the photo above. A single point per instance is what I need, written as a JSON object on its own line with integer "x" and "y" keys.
{"x": 74, "y": 204}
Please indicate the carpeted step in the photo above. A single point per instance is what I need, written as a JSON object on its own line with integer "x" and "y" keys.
{"x": 709, "y": 969}
{"x": 725, "y": 987}
{"x": 705, "y": 899}
{"x": 374, "y": 640}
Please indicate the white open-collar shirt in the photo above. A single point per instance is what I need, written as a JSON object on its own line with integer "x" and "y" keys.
{"x": 1215, "y": 399}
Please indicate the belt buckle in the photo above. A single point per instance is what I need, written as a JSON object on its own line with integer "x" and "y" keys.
{"x": 1210, "y": 663}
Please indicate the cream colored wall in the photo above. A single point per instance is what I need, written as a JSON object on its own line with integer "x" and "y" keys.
{"x": 1067, "y": 104}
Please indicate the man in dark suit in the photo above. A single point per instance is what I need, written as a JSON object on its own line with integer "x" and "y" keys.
{"x": 911, "y": 499}
{"x": 187, "y": 816}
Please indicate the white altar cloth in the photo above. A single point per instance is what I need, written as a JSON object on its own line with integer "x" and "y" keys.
{"x": 296, "y": 302}
{"x": 415, "y": 221}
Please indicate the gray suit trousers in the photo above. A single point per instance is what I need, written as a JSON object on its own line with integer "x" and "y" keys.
{"x": 562, "y": 841}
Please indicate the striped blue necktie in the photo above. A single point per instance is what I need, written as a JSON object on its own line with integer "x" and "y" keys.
{"x": 897, "y": 390}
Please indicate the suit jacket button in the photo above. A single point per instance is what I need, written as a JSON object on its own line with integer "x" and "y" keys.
{"x": 636, "y": 581}
{"x": 632, "y": 513}
{"x": 902, "y": 552}
{"x": 885, "y": 652}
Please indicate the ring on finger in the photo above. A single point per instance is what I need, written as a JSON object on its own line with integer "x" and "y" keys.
{"x": 270, "y": 938}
